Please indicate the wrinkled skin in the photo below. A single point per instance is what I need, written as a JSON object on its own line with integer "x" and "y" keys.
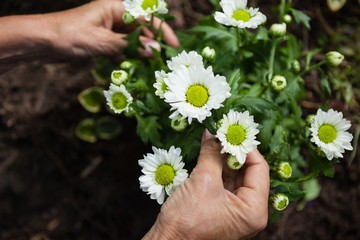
{"x": 216, "y": 202}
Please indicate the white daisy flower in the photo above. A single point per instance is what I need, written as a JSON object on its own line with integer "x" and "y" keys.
{"x": 163, "y": 172}
{"x": 160, "y": 84}
{"x": 329, "y": 133}
{"x": 237, "y": 134}
{"x": 191, "y": 58}
{"x": 118, "y": 98}
{"x": 194, "y": 91}
{"x": 236, "y": 14}
{"x": 145, "y": 8}
{"x": 119, "y": 77}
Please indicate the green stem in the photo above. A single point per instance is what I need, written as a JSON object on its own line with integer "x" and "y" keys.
{"x": 272, "y": 59}
{"x": 317, "y": 65}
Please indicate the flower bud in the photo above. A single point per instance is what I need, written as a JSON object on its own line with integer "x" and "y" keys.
{"x": 278, "y": 82}
{"x": 233, "y": 163}
{"x": 278, "y": 29}
{"x": 284, "y": 170}
{"x": 279, "y": 201}
{"x": 310, "y": 119}
{"x": 118, "y": 77}
{"x": 128, "y": 18}
{"x": 179, "y": 124}
{"x": 208, "y": 53}
{"x": 287, "y": 18}
{"x": 334, "y": 58}
{"x": 126, "y": 65}
{"x": 295, "y": 66}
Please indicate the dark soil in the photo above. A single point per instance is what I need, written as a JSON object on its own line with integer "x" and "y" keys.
{"x": 54, "y": 186}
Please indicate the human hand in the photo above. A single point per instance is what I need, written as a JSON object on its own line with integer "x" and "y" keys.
{"x": 216, "y": 202}
{"x": 88, "y": 30}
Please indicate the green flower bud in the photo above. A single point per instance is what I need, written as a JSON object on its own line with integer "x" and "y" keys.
{"x": 287, "y": 18}
{"x": 118, "y": 77}
{"x": 128, "y": 18}
{"x": 179, "y": 124}
{"x": 310, "y": 119}
{"x": 278, "y": 29}
{"x": 233, "y": 163}
{"x": 126, "y": 65}
{"x": 295, "y": 66}
{"x": 278, "y": 82}
{"x": 334, "y": 58}
{"x": 208, "y": 53}
{"x": 279, "y": 201}
{"x": 284, "y": 170}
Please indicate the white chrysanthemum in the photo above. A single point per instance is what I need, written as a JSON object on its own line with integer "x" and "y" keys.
{"x": 163, "y": 172}
{"x": 160, "y": 84}
{"x": 194, "y": 91}
{"x": 118, "y": 98}
{"x": 329, "y": 132}
{"x": 145, "y": 8}
{"x": 236, "y": 14}
{"x": 237, "y": 134}
{"x": 191, "y": 58}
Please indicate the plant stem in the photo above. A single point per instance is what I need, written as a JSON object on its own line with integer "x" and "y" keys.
{"x": 272, "y": 58}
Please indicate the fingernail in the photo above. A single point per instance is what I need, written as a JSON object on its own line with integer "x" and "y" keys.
{"x": 149, "y": 46}
{"x": 207, "y": 135}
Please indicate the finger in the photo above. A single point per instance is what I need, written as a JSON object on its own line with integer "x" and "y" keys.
{"x": 210, "y": 159}
{"x": 149, "y": 44}
{"x": 256, "y": 173}
{"x": 168, "y": 33}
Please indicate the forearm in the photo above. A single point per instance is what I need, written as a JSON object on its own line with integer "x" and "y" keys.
{"x": 24, "y": 38}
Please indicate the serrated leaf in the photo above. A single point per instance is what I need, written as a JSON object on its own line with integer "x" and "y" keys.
{"x": 301, "y": 18}
{"x": 253, "y": 104}
{"x": 91, "y": 99}
{"x": 133, "y": 39}
{"x": 85, "y": 130}
{"x": 148, "y": 129}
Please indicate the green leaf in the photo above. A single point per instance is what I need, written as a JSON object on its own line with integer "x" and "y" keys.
{"x": 217, "y": 33}
{"x": 85, "y": 130}
{"x": 133, "y": 39}
{"x": 312, "y": 190}
{"x": 148, "y": 129}
{"x": 301, "y": 17}
{"x": 253, "y": 104}
{"x": 108, "y": 127}
{"x": 91, "y": 99}
{"x": 233, "y": 81}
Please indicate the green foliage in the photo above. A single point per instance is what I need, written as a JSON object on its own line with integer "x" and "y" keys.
{"x": 248, "y": 60}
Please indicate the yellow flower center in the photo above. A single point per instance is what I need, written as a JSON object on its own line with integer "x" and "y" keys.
{"x": 241, "y": 15}
{"x": 164, "y": 174}
{"x": 327, "y": 133}
{"x": 236, "y": 134}
{"x": 286, "y": 169}
{"x": 282, "y": 204}
{"x": 149, "y": 4}
{"x": 197, "y": 95}
{"x": 119, "y": 101}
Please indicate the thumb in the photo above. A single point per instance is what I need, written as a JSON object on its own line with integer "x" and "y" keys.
{"x": 210, "y": 159}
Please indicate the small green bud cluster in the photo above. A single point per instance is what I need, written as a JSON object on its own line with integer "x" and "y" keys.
{"x": 334, "y": 58}
{"x": 278, "y": 29}
{"x": 284, "y": 170}
{"x": 279, "y": 201}
{"x": 233, "y": 163}
{"x": 278, "y": 82}
{"x": 128, "y": 18}
{"x": 119, "y": 77}
{"x": 208, "y": 53}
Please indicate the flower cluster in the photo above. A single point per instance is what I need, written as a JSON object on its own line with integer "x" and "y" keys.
{"x": 244, "y": 88}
